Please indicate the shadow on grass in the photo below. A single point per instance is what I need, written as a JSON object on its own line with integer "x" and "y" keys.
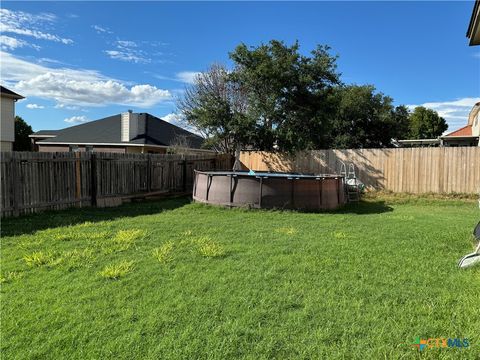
{"x": 365, "y": 208}
{"x": 50, "y": 219}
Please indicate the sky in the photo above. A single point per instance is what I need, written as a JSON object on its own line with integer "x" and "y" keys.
{"x": 81, "y": 61}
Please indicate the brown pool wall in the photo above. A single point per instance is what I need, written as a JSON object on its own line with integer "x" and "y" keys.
{"x": 284, "y": 191}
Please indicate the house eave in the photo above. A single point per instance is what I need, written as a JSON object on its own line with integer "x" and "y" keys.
{"x": 459, "y": 137}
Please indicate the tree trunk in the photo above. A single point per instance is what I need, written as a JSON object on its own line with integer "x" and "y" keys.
{"x": 237, "y": 165}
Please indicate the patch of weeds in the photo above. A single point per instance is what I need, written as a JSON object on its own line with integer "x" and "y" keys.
{"x": 340, "y": 235}
{"x": 116, "y": 271}
{"x": 40, "y": 258}
{"x": 78, "y": 258}
{"x": 187, "y": 233}
{"x": 209, "y": 248}
{"x": 164, "y": 253}
{"x": 30, "y": 242}
{"x": 10, "y": 276}
{"x": 287, "y": 230}
{"x": 123, "y": 240}
{"x": 65, "y": 236}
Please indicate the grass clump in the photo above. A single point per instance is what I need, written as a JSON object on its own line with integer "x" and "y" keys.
{"x": 209, "y": 248}
{"x": 287, "y": 230}
{"x": 78, "y": 258}
{"x": 10, "y": 276}
{"x": 123, "y": 240}
{"x": 340, "y": 235}
{"x": 164, "y": 253}
{"x": 39, "y": 258}
{"x": 116, "y": 271}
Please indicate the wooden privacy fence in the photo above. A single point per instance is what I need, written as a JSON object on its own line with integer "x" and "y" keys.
{"x": 413, "y": 170}
{"x": 33, "y": 181}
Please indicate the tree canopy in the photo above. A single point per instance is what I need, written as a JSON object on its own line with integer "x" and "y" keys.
{"x": 286, "y": 92}
{"x": 277, "y": 98}
{"x": 364, "y": 118}
{"x": 426, "y": 124}
{"x": 22, "y": 130}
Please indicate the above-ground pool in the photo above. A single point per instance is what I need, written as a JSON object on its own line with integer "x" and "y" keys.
{"x": 269, "y": 190}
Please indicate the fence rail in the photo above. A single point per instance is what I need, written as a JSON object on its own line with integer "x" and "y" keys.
{"x": 32, "y": 181}
{"x": 413, "y": 170}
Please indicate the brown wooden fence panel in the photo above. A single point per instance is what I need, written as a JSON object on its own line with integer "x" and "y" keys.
{"x": 32, "y": 181}
{"x": 413, "y": 170}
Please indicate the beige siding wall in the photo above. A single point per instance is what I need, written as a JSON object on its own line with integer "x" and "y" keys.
{"x": 476, "y": 126}
{"x": 7, "y": 130}
{"x": 6, "y": 146}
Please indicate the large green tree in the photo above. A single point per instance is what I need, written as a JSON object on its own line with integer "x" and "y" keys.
{"x": 426, "y": 124}
{"x": 22, "y": 130}
{"x": 287, "y": 93}
{"x": 364, "y": 118}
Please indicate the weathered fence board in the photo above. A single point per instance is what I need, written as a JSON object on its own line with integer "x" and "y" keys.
{"x": 32, "y": 181}
{"x": 413, "y": 170}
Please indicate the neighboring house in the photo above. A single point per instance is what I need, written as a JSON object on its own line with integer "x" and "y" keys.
{"x": 7, "y": 118}
{"x": 122, "y": 133}
{"x": 473, "y": 31}
{"x": 468, "y": 135}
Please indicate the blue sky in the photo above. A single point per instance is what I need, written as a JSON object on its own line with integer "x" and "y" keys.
{"x": 80, "y": 61}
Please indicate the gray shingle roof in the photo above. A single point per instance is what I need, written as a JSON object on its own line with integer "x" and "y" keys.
{"x": 151, "y": 131}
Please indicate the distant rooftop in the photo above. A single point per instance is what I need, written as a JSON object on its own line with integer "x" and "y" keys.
{"x": 464, "y": 131}
{"x": 151, "y": 131}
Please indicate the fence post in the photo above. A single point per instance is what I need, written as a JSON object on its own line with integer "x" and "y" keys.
{"x": 15, "y": 181}
{"x": 93, "y": 178}
{"x": 149, "y": 173}
{"x": 184, "y": 175}
{"x": 78, "y": 177}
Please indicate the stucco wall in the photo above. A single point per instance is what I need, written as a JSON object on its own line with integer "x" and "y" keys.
{"x": 7, "y": 129}
{"x": 476, "y": 125}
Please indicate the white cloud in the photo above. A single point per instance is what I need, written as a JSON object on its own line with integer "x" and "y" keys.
{"x": 35, "y": 106}
{"x": 126, "y": 56}
{"x": 68, "y": 107}
{"x": 127, "y": 50}
{"x": 126, "y": 43}
{"x": 455, "y": 112}
{"x": 78, "y": 87}
{"x": 10, "y": 43}
{"x": 187, "y": 76}
{"x": 76, "y": 119}
{"x": 179, "y": 120}
{"x": 173, "y": 118}
{"x": 101, "y": 29}
{"x": 27, "y": 24}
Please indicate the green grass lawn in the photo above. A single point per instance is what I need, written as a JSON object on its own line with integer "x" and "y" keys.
{"x": 176, "y": 280}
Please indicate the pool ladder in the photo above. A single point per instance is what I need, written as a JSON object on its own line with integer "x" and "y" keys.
{"x": 352, "y": 190}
